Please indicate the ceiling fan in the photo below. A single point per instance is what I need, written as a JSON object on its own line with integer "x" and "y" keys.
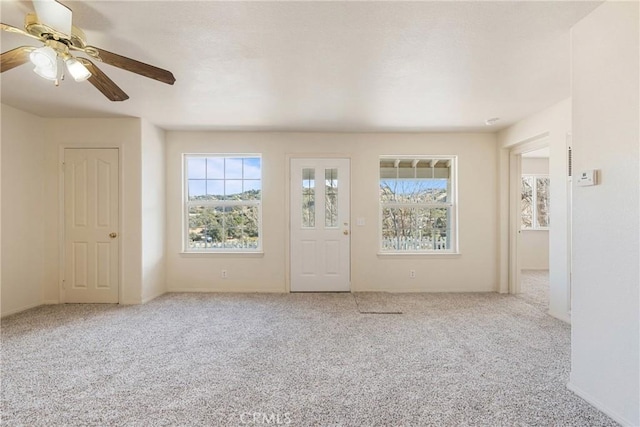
{"x": 51, "y": 24}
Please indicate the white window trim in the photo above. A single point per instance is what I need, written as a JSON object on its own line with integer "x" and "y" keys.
{"x": 218, "y": 203}
{"x": 534, "y": 205}
{"x": 453, "y": 251}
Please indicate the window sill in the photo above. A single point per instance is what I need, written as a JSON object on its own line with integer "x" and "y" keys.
{"x": 419, "y": 254}
{"x": 252, "y": 254}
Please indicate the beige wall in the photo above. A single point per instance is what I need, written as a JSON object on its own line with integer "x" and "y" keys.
{"x": 535, "y": 166}
{"x": 153, "y": 211}
{"x": 473, "y": 270}
{"x": 605, "y": 338}
{"x": 23, "y": 210}
{"x": 31, "y": 173}
{"x": 1, "y": 214}
{"x": 534, "y": 250}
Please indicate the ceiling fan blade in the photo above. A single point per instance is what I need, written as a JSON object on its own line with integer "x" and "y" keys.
{"x": 103, "y": 83}
{"x": 54, "y": 14}
{"x": 12, "y": 29}
{"x": 15, "y": 57}
{"x": 134, "y": 66}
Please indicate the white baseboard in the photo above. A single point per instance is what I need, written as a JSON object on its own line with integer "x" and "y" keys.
{"x": 424, "y": 291}
{"x": 599, "y": 406}
{"x": 50, "y": 302}
{"x": 20, "y": 309}
{"x": 565, "y": 317}
{"x": 153, "y": 296}
{"x": 230, "y": 290}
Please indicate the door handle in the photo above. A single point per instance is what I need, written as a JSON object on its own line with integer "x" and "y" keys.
{"x": 113, "y": 235}
{"x": 345, "y": 232}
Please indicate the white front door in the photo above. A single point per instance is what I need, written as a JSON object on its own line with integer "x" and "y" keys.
{"x": 91, "y": 253}
{"x": 320, "y": 232}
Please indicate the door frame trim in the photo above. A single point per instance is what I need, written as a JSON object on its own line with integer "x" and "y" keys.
{"x": 287, "y": 207}
{"x": 61, "y": 218}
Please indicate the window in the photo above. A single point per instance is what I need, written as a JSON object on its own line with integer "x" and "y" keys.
{"x": 223, "y": 199}
{"x": 417, "y": 204}
{"x": 535, "y": 202}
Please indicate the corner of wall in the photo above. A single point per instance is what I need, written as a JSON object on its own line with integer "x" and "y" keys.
{"x": 1, "y": 108}
{"x": 23, "y": 178}
{"x": 153, "y": 205}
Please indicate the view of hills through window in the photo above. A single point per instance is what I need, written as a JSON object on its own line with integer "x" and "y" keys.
{"x": 223, "y": 202}
{"x": 416, "y": 204}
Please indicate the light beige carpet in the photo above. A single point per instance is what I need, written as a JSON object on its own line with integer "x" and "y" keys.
{"x": 534, "y": 287}
{"x": 296, "y": 359}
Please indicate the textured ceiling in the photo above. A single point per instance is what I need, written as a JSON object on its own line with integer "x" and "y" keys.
{"x": 314, "y": 66}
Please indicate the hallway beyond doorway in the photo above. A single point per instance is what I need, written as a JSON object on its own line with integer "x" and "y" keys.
{"x": 534, "y": 287}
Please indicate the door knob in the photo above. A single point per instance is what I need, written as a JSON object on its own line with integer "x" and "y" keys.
{"x": 345, "y": 232}
{"x": 113, "y": 235}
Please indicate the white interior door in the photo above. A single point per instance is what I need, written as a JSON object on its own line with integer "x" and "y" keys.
{"x": 91, "y": 252}
{"x": 320, "y": 232}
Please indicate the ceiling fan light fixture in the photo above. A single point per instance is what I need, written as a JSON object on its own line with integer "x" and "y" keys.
{"x": 77, "y": 70}
{"x": 46, "y": 61}
{"x": 52, "y": 24}
{"x": 49, "y": 73}
{"x": 43, "y": 57}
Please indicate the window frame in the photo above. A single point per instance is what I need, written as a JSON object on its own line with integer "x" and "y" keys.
{"x": 534, "y": 204}
{"x": 186, "y": 204}
{"x": 452, "y": 205}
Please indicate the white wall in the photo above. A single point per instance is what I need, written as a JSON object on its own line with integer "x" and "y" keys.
{"x": 0, "y": 214}
{"x": 535, "y": 166}
{"x": 153, "y": 211}
{"x": 473, "y": 270}
{"x": 534, "y": 250}
{"x": 606, "y": 218}
{"x": 554, "y": 124}
{"x": 124, "y": 134}
{"x": 23, "y": 210}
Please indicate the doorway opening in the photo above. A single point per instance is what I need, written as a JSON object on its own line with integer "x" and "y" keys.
{"x": 535, "y": 214}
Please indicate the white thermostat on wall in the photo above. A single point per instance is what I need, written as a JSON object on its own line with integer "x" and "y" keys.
{"x": 587, "y": 178}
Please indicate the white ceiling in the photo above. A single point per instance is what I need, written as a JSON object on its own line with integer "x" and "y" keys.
{"x": 314, "y": 66}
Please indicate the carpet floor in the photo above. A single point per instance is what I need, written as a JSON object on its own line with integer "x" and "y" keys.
{"x": 291, "y": 359}
{"x": 534, "y": 287}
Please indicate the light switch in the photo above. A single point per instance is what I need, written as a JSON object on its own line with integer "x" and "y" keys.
{"x": 360, "y": 222}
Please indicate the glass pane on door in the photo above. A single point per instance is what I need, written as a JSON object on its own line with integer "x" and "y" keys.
{"x": 542, "y": 201}
{"x": 308, "y": 198}
{"x": 526, "y": 202}
{"x": 331, "y": 197}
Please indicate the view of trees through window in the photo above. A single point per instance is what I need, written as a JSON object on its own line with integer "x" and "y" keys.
{"x": 416, "y": 204}
{"x": 223, "y": 202}
{"x": 330, "y": 188}
{"x": 535, "y": 202}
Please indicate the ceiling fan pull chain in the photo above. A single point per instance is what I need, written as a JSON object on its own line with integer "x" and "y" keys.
{"x": 60, "y": 76}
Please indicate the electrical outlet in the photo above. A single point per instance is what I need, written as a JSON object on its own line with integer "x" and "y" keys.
{"x": 412, "y": 274}
{"x": 224, "y": 274}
